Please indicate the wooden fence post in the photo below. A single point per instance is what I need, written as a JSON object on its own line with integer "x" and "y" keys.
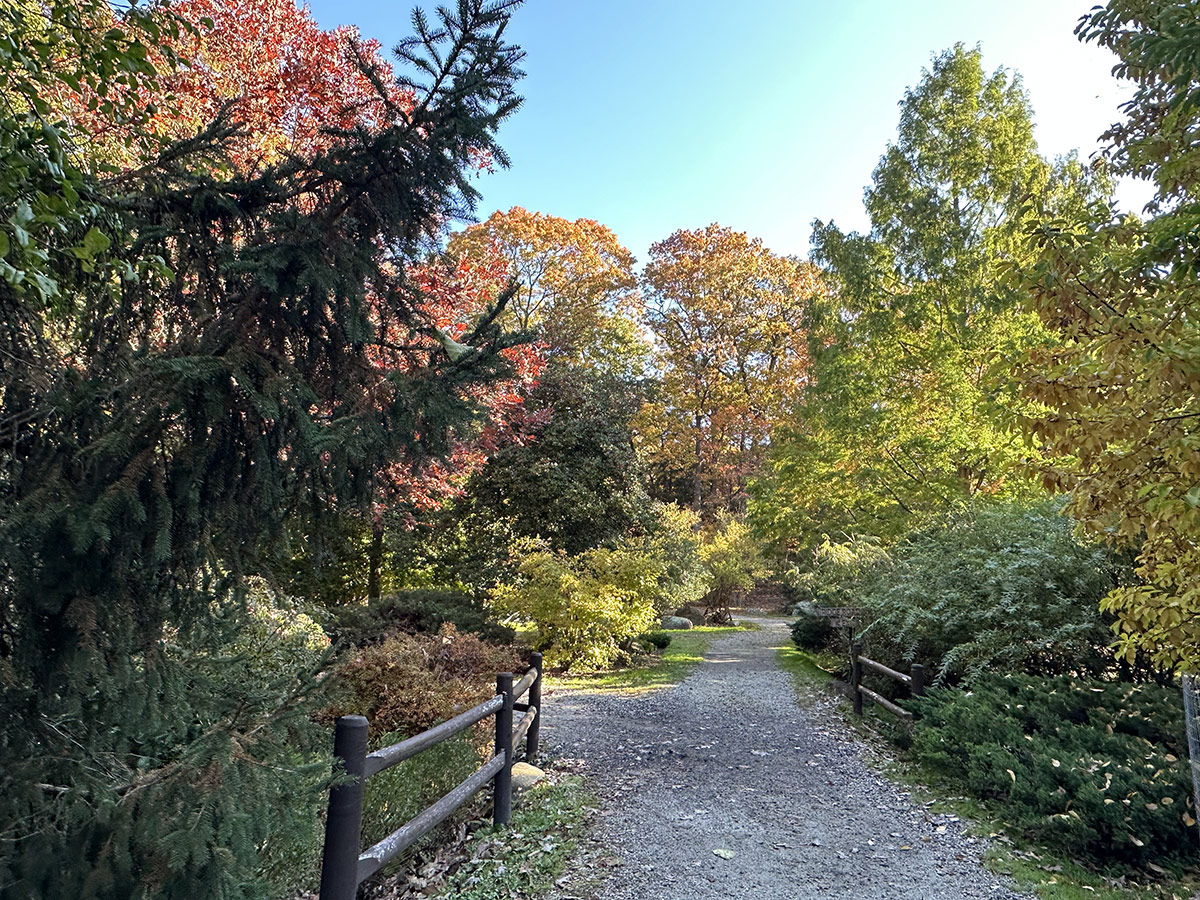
{"x": 343, "y": 824}
{"x": 535, "y": 700}
{"x": 856, "y": 677}
{"x": 918, "y": 680}
{"x": 502, "y": 790}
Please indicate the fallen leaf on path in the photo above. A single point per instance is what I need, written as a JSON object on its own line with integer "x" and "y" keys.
{"x": 724, "y": 854}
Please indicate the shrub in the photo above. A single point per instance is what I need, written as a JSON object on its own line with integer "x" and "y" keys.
{"x": 585, "y": 606}
{"x": 733, "y": 559}
{"x": 660, "y": 640}
{"x": 416, "y": 611}
{"x": 811, "y": 632}
{"x": 408, "y": 683}
{"x": 999, "y": 587}
{"x": 1095, "y": 770}
{"x": 404, "y": 685}
{"x": 672, "y": 540}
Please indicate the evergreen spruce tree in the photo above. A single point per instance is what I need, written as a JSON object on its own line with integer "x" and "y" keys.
{"x": 189, "y": 357}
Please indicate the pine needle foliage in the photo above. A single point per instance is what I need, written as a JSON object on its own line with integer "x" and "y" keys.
{"x": 189, "y": 357}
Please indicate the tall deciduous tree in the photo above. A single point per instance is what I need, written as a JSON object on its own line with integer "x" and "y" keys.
{"x": 574, "y": 286}
{"x": 1119, "y": 385}
{"x": 895, "y": 425}
{"x": 190, "y": 357}
{"x": 727, "y": 315}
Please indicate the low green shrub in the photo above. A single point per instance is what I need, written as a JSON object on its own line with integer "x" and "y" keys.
{"x": 659, "y": 640}
{"x": 421, "y": 611}
{"x": 811, "y": 632}
{"x": 999, "y": 587}
{"x": 1095, "y": 770}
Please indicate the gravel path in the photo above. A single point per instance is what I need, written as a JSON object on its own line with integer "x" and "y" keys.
{"x": 727, "y": 760}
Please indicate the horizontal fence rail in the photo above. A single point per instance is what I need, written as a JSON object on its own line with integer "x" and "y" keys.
{"x": 915, "y": 682}
{"x": 345, "y": 865}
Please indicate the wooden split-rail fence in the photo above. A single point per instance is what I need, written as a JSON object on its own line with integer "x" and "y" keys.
{"x": 851, "y": 618}
{"x": 915, "y": 681}
{"x": 345, "y": 865}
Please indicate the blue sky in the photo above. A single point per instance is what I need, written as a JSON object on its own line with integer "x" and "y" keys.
{"x": 654, "y": 115}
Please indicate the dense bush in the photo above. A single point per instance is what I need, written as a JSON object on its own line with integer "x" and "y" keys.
{"x": 585, "y": 607}
{"x": 659, "y": 640}
{"x": 404, "y": 685}
{"x": 1095, "y": 770}
{"x": 811, "y": 632}
{"x": 415, "y": 611}
{"x": 410, "y": 682}
{"x": 671, "y": 538}
{"x": 999, "y": 587}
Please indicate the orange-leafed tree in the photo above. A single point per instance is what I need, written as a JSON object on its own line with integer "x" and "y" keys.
{"x": 574, "y": 286}
{"x": 727, "y": 314}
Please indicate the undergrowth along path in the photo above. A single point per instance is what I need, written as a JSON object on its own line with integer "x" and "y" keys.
{"x": 729, "y": 761}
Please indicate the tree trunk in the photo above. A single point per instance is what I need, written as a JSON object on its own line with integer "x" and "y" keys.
{"x": 375, "y": 558}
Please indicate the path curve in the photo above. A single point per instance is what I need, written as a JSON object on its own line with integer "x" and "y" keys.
{"x": 728, "y": 760}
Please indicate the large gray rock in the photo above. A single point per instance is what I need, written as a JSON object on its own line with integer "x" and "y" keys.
{"x": 694, "y": 613}
{"x": 677, "y": 623}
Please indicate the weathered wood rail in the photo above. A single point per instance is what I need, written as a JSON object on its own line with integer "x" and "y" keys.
{"x": 915, "y": 681}
{"x": 345, "y": 865}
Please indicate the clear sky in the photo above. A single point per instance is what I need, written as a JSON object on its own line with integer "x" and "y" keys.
{"x": 654, "y": 115}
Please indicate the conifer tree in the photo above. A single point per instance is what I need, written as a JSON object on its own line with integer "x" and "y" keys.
{"x": 189, "y": 358}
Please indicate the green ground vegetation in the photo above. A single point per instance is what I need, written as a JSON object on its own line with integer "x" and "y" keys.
{"x": 683, "y": 654}
{"x": 525, "y": 859}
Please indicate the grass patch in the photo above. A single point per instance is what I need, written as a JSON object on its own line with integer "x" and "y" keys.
{"x": 685, "y": 652}
{"x": 803, "y": 665}
{"x": 1056, "y": 878}
{"x": 525, "y": 859}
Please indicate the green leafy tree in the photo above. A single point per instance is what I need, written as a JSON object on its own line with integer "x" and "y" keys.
{"x": 895, "y": 425}
{"x": 1116, "y": 390}
{"x": 189, "y": 359}
{"x": 576, "y": 481}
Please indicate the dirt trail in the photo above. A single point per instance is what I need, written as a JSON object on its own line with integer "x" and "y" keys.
{"x": 728, "y": 760}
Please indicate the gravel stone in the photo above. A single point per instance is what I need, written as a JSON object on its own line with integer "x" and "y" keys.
{"x": 728, "y": 760}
